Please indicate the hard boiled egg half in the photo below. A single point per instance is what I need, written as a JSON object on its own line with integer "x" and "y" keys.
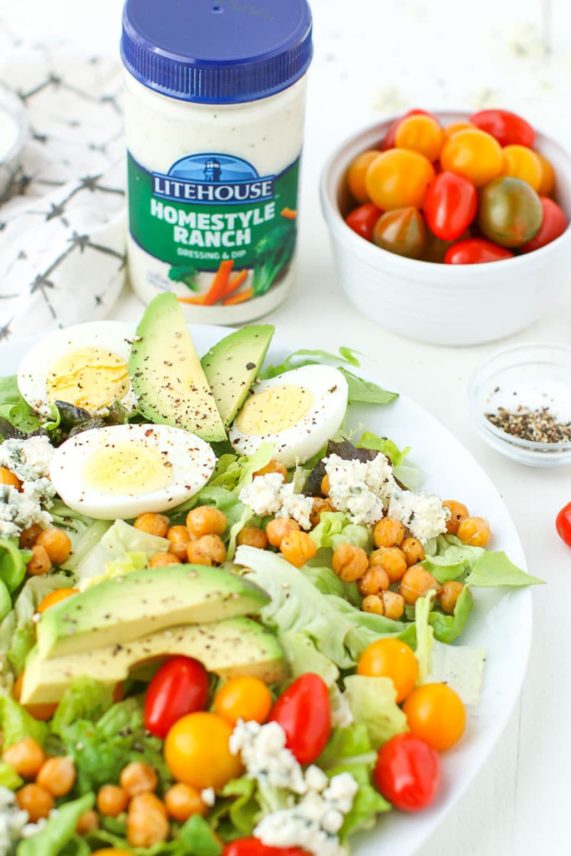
{"x": 124, "y": 470}
{"x": 85, "y": 365}
{"x": 297, "y": 412}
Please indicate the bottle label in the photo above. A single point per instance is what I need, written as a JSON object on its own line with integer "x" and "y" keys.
{"x": 214, "y": 212}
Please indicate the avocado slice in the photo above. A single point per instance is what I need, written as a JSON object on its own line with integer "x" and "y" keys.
{"x": 235, "y": 646}
{"x": 124, "y": 608}
{"x": 232, "y": 365}
{"x": 166, "y": 374}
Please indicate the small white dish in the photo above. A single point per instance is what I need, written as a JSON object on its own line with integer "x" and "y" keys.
{"x": 13, "y": 134}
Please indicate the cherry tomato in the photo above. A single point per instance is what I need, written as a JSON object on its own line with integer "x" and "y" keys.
{"x": 554, "y": 223}
{"x": 420, "y": 134}
{"x": 563, "y": 524}
{"x": 457, "y": 126}
{"x": 508, "y": 128}
{"x": 304, "y": 713}
{"x": 510, "y": 212}
{"x": 56, "y": 597}
{"x": 521, "y": 162}
{"x": 547, "y": 185}
{"x": 362, "y": 220}
{"x": 179, "y": 687}
{"x": 401, "y": 231}
{"x": 407, "y": 772}
{"x": 474, "y": 154}
{"x": 398, "y": 178}
{"x": 246, "y": 698}
{"x": 254, "y": 847}
{"x": 436, "y": 714}
{"x": 357, "y": 173}
{"x": 475, "y": 251}
{"x": 450, "y": 205}
{"x": 390, "y": 658}
{"x": 197, "y": 751}
{"x": 389, "y": 139}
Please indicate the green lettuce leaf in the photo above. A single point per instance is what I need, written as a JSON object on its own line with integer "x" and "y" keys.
{"x": 447, "y": 628}
{"x": 373, "y": 703}
{"x": 237, "y": 809}
{"x": 85, "y": 698}
{"x": 424, "y": 635}
{"x": 5, "y": 600}
{"x": 16, "y": 723}
{"x": 303, "y": 656}
{"x": 234, "y": 472}
{"x": 58, "y": 831}
{"x": 15, "y": 408}
{"x": 460, "y": 667}
{"x": 450, "y": 558}
{"x": 494, "y": 569}
{"x": 116, "y": 542}
{"x": 382, "y": 444}
{"x": 197, "y": 838}
{"x": 336, "y": 528}
{"x": 363, "y": 391}
{"x": 9, "y": 778}
{"x": 327, "y": 581}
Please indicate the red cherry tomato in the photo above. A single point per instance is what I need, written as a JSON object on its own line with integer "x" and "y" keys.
{"x": 554, "y": 223}
{"x": 450, "y": 205}
{"x": 563, "y": 524}
{"x": 362, "y": 220}
{"x": 254, "y": 847}
{"x": 179, "y": 687}
{"x": 475, "y": 251}
{"x": 390, "y": 136}
{"x": 304, "y": 713}
{"x": 407, "y": 772}
{"x": 508, "y": 128}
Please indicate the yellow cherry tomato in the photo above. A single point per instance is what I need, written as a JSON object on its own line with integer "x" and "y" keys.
{"x": 390, "y": 658}
{"x": 474, "y": 154}
{"x": 197, "y": 751}
{"x": 457, "y": 126}
{"x": 420, "y": 134}
{"x": 547, "y": 183}
{"x": 399, "y": 178}
{"x": 436, "y": 714}
{"x": 56, "y": 597}
{"x": 246, "y": 698}
{"x": 521, "y": 162}
{"x": 357, "y": 173}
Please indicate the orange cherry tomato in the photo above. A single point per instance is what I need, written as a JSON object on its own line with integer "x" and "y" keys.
{"x": 474, "y": 154}
{"x": 420, "y": 134}
{"x": 357, "y": 173}
{"x": 246, "y": 698}
{"x": 391, "y": 658}
{"x": 449, "y": 130}
{"x": 197, "y": 751}
{"x": 389, "y": 138}
{"x": 56, "y": 597}
{"x": 547, "y": 184}
{"x": 521, "y": 162}
{"x": 436, "y": 714}
{"x": 398, "y": 178}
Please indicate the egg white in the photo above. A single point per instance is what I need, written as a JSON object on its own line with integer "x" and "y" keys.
{"x": 189, "y": 461}
{"x": 296, "y": 444}
{"x": 33, "y": 374}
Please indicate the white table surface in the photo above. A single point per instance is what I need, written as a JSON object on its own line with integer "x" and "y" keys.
{"x": 375, "y": 57}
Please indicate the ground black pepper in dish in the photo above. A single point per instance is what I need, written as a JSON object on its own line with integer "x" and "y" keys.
{"x": 539, "y": 425}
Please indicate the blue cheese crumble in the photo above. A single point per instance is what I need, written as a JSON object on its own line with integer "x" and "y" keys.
{"x": 30, "y": 461}
{"x": 268, "y": 494}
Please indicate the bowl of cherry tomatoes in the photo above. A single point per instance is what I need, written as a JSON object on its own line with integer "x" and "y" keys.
{"x": 449, "y": 227}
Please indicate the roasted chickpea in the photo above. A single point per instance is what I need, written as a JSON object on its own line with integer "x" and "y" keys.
{"x": 417, "y": 582}
{"x": 178, "y": 538}
{"x": 278, "y": 528}
{"x": 252, "y": 536}
{"x": 449, "y": 595}
{"x": 112, "y": 800}
{"x": 413, "y": 551}
{"x": 388, "y": 533}
{"x": 349, "y": 562}
{"x": 272, "y": 467}
{"x": 147, "y": 822}
{"x": 36, "y": 801}
{"x": 26, "y": 757}
{"x": 88, "y": 822}
{"x": 182, "y": 801}
{"x": 387, "y": 603}
{"x": 391, "y": 560}
{"x": 29, "y": 536}
{"x": 138, "y": 778}
{"x": 152, "y": 524}
{"x": 208, "y": 550}
{"x": 40, "y": 562}
{"x": 56, "y": 543}
{"x": 458, "y": 513}
{"x": 205, "y": 520}
{"x": 374, "y": 581}
{"x": 161, "y": 560}
{"x": 319, "y": 506}
{"x": 475, "y": 531}
{"x": 57, "y": 776}
{"x": 298, "y": 548}
{"x": 9, "y": 478}
{"x": 325, "y": 485}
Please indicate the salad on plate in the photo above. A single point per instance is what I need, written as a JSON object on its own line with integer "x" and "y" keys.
{"x": 229, "y": 614}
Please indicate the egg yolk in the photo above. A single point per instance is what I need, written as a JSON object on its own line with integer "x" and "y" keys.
{"x": 128, "y": 468}
{"x": 273, "y": 410}
{"x": 92, "y": 378}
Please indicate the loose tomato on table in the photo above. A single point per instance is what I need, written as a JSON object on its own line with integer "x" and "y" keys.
{"x": 179, "y": 687}
{"x": 304, "y": 713}
{"x": 450, "y": 205}
{"x": 563, "y": 524}
{"x": 436, "y": 714}
{"x": 474, "y": 154}
{"x": 389, "y": 138}
{"x": 402, "y": 232}
{"x": 398, "y": 178}
{"x": 254, "y": 847}
{"x": 508, "y": 128}
{"x": 362, "y": 220}
{"x": 407, "y": 772}
{"x": 553, "y": 225}
{"x": 510, "y": 212}
{"x": 475, "y": 251}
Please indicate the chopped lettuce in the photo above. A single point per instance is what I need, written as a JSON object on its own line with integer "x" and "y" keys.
{"x": 373, "y": 703}
{"x": 369, "y": 440}
{"x": 336, "y": 528}
{"x": 447, "y": 628}
{"x": 494, "y": 568}
{"x": 327, "y": 581}
{"x": 16, "y": 723}
{"x": 85, "y": 698}
{"x": 118, "y": 568}
{"x": 15, "y": 409}
{"x": 448, "y": 558}
{"x": 5, "y": 600}
{"x": 424, "y": 635}
{"x": 363, "y": 391}
{"x": 234, "y": 472}
{"x": 58, "y": 831}
{"x": 459, "y": 666}
{"x": 12, "y": 563}
{"x": 303, "y": 656}
{"x": 237, "y": 809}
{"x": 118, "y": 540}
{"x": 9, "y": 778}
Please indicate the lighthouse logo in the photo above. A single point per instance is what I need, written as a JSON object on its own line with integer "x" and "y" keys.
{"x": 213, "y": 178}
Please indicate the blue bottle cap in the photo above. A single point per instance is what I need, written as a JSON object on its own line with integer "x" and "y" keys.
{"x": 217, "y": 51}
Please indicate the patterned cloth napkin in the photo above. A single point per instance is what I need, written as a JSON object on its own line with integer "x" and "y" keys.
{"x": 62, "y": 229}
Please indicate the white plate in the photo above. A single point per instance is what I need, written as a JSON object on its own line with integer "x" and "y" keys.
{"x": 501, "y": 623}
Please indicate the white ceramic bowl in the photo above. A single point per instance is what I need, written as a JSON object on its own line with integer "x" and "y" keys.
{"x": 437, "y": 303}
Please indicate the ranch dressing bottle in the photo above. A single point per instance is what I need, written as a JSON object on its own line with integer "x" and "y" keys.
{"x": 214, "y": 121}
